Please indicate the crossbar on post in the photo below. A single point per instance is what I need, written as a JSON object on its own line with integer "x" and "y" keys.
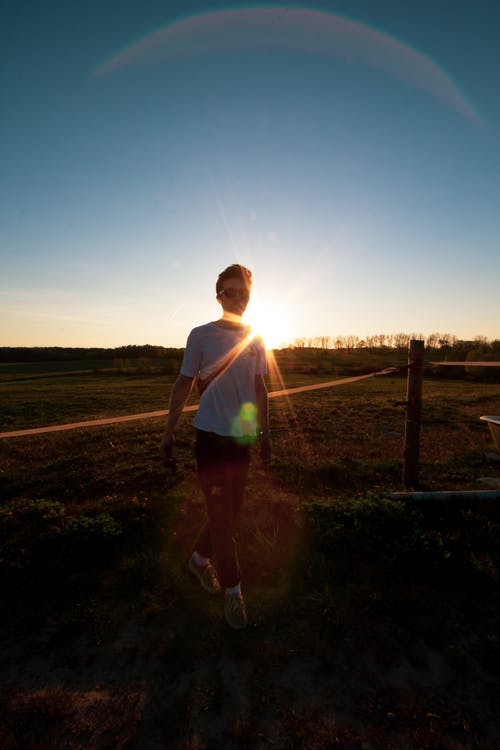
{"x": 445, "y": 496}
{"x": 413, "y": 413}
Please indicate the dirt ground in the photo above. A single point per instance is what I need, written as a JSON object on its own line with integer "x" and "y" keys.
{"x": 249, "y": 689}
{"x": 172, "y": 675}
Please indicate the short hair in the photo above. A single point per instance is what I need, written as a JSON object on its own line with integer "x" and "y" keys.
{"x": 233, "y": 272}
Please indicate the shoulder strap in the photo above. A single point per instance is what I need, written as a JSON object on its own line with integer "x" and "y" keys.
{"x": 233, "y": 354}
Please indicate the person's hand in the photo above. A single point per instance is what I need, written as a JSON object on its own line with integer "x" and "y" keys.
{"x": 166, "y": 452}
{"x": 265, "y": 448}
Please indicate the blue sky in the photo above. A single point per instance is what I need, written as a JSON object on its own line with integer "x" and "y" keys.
{"x": 347, "y": 152}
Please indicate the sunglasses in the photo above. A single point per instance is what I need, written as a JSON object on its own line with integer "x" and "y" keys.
{"x": 233, "y": 293}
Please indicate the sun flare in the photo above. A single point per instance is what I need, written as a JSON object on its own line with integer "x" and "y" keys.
{"x": 270, "y": 322}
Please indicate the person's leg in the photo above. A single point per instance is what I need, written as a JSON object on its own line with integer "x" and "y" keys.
{"x": 225, "y": 511}
{"x": 216, "y": 539}
{"x": 200, "y": 562}
{"x": 206, "y": 461}
{"x": 240, "y": 460}
{"x": 234, "y": 604}
{"x": 222, "y": 471}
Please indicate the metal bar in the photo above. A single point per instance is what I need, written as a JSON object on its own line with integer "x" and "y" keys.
{"x": 466, "y": 364}
{"x": 446, "y": 496}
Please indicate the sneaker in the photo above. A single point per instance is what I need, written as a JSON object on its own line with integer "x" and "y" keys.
{"x": 206, "y": 575}
{"x": 234, "y": 611}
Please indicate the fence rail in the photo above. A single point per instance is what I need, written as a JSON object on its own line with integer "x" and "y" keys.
{"x": 192, "y": 407}
{"x": 413, "y": 406}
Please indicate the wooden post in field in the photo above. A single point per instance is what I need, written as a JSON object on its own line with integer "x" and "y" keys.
{"x": 413, "y": 413}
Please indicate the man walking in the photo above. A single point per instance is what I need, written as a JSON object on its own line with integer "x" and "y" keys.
{"x": 229, "y": 364}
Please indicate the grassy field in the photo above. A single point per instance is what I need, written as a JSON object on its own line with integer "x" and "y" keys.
{"x": 373, "y": 623}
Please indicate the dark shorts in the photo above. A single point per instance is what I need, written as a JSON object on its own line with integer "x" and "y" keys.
{"x": 220, "y": 457}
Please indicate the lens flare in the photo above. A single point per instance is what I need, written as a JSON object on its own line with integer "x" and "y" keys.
{"x": 292, "y": 29}
{"x": 244, "y": 425}
{"x": 270, "y": 323}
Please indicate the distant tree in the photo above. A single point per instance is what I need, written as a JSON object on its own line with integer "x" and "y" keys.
{"x": 400, "y": 340}
{"x": 339, "y": 342}
{"x": 432, "y": 340}
{"x": 446, "y": 340}
{"x": 351, "y": 342}
{"x": 325, "y": 342}
{"x": 481, "y": 340}
{"x": 380, "y": 340}
{"x": 495, "y": 347}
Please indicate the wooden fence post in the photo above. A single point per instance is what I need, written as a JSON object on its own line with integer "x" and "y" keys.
{"x": 413, "y": 413}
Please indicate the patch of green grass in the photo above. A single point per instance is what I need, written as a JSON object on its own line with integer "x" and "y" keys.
{"x": 81, "y": 397}
{"x": 376, "y": 551}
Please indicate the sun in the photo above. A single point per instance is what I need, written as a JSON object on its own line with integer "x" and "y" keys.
{"x": 270, "y": 322}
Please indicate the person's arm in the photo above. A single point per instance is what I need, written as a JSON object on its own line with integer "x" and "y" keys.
{"x": 263, "y": 416}
{"x": 180, "y": 393}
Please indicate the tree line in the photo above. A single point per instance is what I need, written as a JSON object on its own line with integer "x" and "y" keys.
{"x": 66, "y": 354}
{"x": 454, "y": 348}
{"x": 445, "y": 342}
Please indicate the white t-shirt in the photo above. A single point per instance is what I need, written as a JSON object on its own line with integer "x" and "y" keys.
{"x": 228, "y": 405}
